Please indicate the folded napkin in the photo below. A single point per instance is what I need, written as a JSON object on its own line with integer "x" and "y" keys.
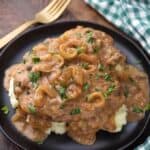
{"x": 133, "y": 17}
{"x": 145, "y": 145}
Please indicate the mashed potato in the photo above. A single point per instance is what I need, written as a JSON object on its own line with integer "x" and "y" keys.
{"x": 121, "y": 118}
{"x": 57, "y": 128}
{"x": 60, "y": 127}
{"x": 13, "y": 100}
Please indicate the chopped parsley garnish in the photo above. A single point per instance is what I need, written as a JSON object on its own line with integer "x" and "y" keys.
{"x": 126, "y": 91}
{"x": 34, "y": 76}
{"x": 85, "y": 65}
{"x": 80, "y": 50}
{"x": 137, "y": 109}
{"x": 35, "y": 60}
{"x": 107, "y": 77}
{"x": 62, "y": 106}
{"x": 89, "y": 37}
{"x": 5, "y": 110}
{"x": 86, "y": 86}
{"x": 101, "y": 67}
{"x": 110, "y": 67}
{"x": 147, "y": 107}
{"x": 96, "y": 49}
{"x": 32, "y": 109}
{"x": 97, "y": 76}
{"x": 62, "y": 92}
{"x": 110, "y": 89}
{"x": 105, "y": 94}
{"x": 75, "y": 111}
{"x": 39, "y": 142}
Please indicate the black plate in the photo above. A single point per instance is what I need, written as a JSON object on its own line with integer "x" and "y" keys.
{"x": 105, "y": 141}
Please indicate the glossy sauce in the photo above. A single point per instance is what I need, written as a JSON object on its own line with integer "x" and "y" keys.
{"x": 79, "y": 78}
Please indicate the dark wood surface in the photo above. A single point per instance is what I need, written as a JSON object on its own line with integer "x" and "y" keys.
{"x": 15, "y": 12}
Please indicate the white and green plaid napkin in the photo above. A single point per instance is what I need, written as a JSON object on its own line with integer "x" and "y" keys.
{"x": 145, "y": 145}
{"x": 133, "y": 17}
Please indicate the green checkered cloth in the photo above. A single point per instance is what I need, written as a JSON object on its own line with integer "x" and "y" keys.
{"x": 145, "y": 145}
{"x": 131, "y": 16}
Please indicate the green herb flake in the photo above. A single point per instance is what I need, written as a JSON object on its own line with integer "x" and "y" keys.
{"x": 100, "y": 67}
{"x": 110, "y": 67}
{"x": 62, "y": 106}
{"x": 5, "y": 110}
{"x": 75, "y": 111}
{"x": 96, "y": 49}
{"x": 105, "y": 94}
{"x": 62, "y": 92}
{"x": 137, "y": 109}
{"x": 107, "y": 77}
{"x": 147, "y": 107}
{"x": 85, "y": 65}
{"x": 79, "y": 49}
{"x": 86, "y": 86}
{"x": 97, "y": 76}
{"x": 110, "y": 89}
{"x": 126, "y": 91}
{"x": 32, "y": 109}
{"x": 39, "y": 142}
{"x": 35, "y": 60}
{"x": 89, "y": 37}
{"x": 34, "y": 76}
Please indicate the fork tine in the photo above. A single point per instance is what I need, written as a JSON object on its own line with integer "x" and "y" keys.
{"x": 50, "y": 5}
{"x": 55, "y": 14}
{"x": 59, "y": 3}
{"x": 58, "y": 8}
{"x": 52, "y": 14}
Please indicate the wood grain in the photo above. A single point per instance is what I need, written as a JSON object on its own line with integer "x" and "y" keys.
{"x": 15, "y": 12}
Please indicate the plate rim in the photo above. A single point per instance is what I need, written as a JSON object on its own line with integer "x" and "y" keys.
{"x": 88, "y": 23}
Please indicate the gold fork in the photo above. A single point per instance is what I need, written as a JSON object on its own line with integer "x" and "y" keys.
{"x": 47, "y": 15}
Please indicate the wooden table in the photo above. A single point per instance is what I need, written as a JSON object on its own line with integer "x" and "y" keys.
{"x": 15, "y": 12}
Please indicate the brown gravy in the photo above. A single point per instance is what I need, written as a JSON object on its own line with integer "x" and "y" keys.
{"x": 80, "y": 78}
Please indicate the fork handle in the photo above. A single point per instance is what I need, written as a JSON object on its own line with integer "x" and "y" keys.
{"x": 14, "y": 33}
